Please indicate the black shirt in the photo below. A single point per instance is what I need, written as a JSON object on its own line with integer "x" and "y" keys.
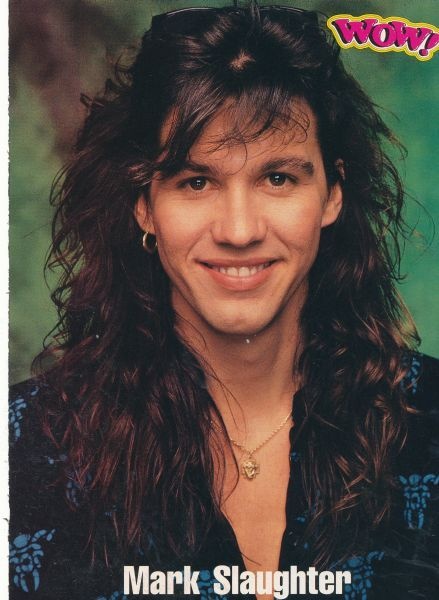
{"x": 49, "y": 557}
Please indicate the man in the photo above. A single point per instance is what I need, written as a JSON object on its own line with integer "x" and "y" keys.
{"x": 223, "y": 234}
{"x": 239, "y": 270}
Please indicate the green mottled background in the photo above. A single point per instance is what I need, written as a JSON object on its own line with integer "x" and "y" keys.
{"x": 60, "y": 48}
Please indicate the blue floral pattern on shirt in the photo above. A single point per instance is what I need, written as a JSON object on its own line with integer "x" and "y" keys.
{"x": 16, "y": 415}
{"x": 28, "y": 551}
{"x": 417, "y": 493}
{"x": 114, "y": 596}
{"x": 410, "y": 381}
{"x": 25, "y": 554}
{"x": 361, "y": 569}
{"x": 205, "y": 585}
{"x": 15, "y": 412}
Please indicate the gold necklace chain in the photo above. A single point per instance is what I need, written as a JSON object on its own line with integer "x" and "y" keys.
{"x": 249, "y": 466}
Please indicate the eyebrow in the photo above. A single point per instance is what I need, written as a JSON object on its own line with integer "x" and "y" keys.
{"x": 274, "y": 164}
{"x": 292, "y": 162}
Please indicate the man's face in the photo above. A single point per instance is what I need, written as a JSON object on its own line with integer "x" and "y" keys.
{"x": 238, "y": 229}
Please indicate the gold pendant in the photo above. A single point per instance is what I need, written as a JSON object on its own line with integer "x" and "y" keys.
{"x": 249, "y": 468}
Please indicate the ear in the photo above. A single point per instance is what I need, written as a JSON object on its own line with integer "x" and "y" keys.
{"x": 334, "y": 201}
{"x": 333, "y": 205}
{"x": 142, "y": 213}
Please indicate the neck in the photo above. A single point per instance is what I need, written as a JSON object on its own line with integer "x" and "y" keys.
{"x": 251, "y": 378}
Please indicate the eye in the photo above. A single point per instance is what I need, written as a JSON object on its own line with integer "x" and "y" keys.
{"x": 197, "y": 183}
{"x": 278, "y": 179}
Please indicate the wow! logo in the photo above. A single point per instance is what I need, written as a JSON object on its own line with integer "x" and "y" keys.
{"x": 396, "y": 34}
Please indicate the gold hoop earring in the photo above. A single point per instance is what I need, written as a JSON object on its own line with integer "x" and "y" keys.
{"x": 149, "y": 242}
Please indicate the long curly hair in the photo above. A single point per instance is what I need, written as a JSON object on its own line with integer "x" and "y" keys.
{"x": 128, "y": 405}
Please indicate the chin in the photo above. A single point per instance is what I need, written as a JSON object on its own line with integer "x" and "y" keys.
{"x": 238, "y": 327}
{"x": 238, "y": 331}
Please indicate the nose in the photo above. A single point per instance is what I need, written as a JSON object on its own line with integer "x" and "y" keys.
{"x": 239, "y": 220}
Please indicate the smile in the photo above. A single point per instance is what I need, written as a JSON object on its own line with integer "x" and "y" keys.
{"x": 240, "y": 276}
{"x": 239, "y": 271}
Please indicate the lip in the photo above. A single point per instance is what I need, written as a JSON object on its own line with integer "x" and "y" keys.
{"x": 236, "y": 282}
{"x": 237, "y": 262}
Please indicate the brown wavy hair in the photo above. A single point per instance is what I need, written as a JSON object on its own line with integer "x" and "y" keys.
{"x": 129, "y": 407}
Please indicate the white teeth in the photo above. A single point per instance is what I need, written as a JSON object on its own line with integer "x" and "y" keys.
{"x": 240, "y": 271}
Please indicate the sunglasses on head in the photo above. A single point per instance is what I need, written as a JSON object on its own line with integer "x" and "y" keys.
{"x": 187, "y": 20}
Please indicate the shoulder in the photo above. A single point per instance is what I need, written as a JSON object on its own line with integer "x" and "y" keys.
{"x": 43, "y": 531}
{"x": 418, "y": 463}
{"x": 421, "y": 382}
{"x": 33, "y": 456}
{"x": 26, "y": 435}
{"x": 421, "y": 386}
{"x": 38, "y": 490}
